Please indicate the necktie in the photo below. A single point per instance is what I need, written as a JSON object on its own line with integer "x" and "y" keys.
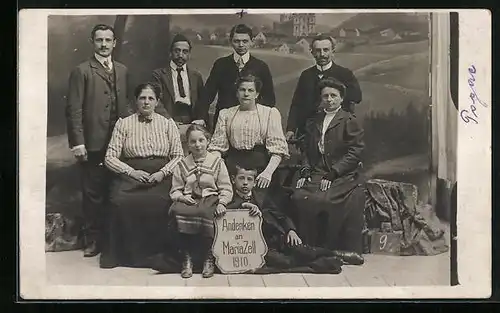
{"x": 180, "y": 82}
{"x": 240, "y": 64}
{"x": 106, "y": 66}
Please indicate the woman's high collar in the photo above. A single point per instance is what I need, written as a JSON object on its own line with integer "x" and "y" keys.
{"x": 251, "y": 108}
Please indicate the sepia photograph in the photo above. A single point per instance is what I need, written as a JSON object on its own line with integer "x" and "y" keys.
{"x": 295, "y": 149}
{"x": 352, "y": 189}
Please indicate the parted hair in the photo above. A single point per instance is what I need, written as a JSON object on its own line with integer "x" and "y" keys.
{"x": 250, "y": 78}
{"x": 102, "y": 27}
{"x": 148, "y": 85}
{"x": 236, "y": 168}
{"x": 324, "y": 37}
{"x": 178, "y": 38}
{"x": 332, "y": 83}
{"x": 196, "y": 127}
{"x": 240, "y": 29}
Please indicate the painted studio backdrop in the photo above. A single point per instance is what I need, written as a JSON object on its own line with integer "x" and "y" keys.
{"x": 389, "y": 54}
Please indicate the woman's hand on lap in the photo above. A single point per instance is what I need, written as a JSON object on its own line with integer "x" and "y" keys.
{"x": 325, "y": 184}
{"x": 140, "y": 175}
{"x": 187, "y": 200}
{"x": 301, "y": 182}
{"x": 156, "y": 177}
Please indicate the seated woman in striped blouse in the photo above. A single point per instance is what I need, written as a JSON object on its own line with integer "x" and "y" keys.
{"x": 143, "y": 151}
{"x": 250, "y": 131}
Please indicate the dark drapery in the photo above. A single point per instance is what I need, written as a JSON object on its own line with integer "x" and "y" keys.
{"x": 454, "y": 57}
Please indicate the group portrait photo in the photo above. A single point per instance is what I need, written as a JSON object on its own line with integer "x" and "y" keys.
{"x": 243, "y": 149}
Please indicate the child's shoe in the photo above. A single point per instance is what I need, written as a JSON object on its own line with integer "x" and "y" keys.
{"x": 187, "y": 266}
{"x": 208, "y": 267}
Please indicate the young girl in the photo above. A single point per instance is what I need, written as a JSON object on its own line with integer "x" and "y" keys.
{"x": 201, "y": 189}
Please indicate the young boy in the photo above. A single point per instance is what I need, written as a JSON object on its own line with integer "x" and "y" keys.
{"x": 286, "y": 252}
{"x": 277, "y": 227}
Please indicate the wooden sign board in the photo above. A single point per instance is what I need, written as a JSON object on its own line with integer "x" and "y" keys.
{"x": 239, "y": 244}
{"x": 386, "y": 243}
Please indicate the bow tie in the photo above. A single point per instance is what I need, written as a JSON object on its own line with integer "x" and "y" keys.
{"x": 145, "y": 119}
{"x": 246, "y": 198}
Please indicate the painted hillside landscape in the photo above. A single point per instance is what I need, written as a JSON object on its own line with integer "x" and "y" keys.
{"x": 389, "y": 54}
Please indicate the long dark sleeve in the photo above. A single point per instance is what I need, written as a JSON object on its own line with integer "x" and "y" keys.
{"x": 354, "y": 136}
{"x": 305, "y": 169}
{"x": 208, "y": 94}
{"x": 274, "y": 216}
{"x": 200, "y": 90}
{"x": 130, "y": 94}
{"x": 160, "y": 107}
{"x": 295, "y": 107}
{"x": 74, "y": 108}
{"x": 353, "y": 89}
{"x": 268, "y": 97}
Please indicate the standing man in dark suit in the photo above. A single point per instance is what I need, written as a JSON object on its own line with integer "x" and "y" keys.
{"x": 97, "y": 97}
{"x": 225, "y": 70}
{"x": 181, "y": 86}
{"x": 306, "y": 98}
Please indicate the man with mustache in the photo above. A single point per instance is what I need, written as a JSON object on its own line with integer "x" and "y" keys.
{"x": 180, "y": 85}
{"x": 306, "y": 99}
{"x": 226, "y": 70}
{"x": 97, "y": 98}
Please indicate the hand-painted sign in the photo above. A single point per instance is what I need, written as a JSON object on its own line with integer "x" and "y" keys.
{"x": 239, "y": 244}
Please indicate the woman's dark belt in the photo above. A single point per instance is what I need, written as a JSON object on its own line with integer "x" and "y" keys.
{"x": 258, "y": 157}
{"x": 152, "y": 157}
{"x": 256, "y": 148}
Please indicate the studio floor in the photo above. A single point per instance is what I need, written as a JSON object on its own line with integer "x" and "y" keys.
{"x": 71, "y": 268}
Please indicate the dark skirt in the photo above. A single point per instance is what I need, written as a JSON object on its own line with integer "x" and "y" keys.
{"x": 332, "y": 219}
{"x": 138, "y": 218}
{"x": 256, "y": 158}
{"x": 197, "y": 219}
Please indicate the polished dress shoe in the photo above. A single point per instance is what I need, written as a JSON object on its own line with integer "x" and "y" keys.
{"x": 91, "y": 250}
{"x": 349, "y": 258}
{"x": 208, "y": 267}
{"x": 187, "y": 266}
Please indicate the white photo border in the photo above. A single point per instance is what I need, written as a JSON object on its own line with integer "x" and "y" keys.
{"x": 473, "y": 174}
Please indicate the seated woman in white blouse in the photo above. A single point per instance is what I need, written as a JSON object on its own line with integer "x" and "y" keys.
{"x": 144, "y": 149}
{"x": 250, "y": 131}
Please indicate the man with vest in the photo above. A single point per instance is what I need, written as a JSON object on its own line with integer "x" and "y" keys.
{"x": 97, "y": 97}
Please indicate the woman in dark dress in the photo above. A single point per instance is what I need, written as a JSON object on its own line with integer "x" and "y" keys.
{"x": 251, "y": 131}
{"x": 329, "y": 198}
{"x": 143, "y": 151}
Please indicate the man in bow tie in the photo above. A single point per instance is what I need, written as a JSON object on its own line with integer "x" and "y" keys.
{"x": 223, "y": 75}
{"x": 306, "y": 98}
{"x": 97, "y": 97}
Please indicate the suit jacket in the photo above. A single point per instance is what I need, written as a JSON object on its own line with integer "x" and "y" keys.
{"x": 276, "y": 224}
{"x": 343, "y": 145}
{"x": 163, "y": 77}
{"x": 306, "y": 97}
{"x": 222, "y": 80}
{"x": 89, "y": 104}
